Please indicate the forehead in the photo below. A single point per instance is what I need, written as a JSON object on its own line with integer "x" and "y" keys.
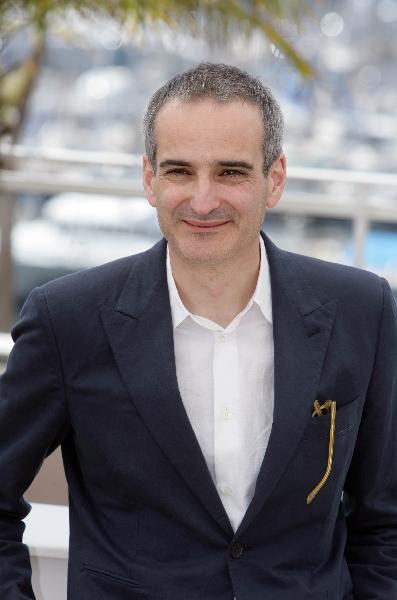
{"x": 207, "y": 126}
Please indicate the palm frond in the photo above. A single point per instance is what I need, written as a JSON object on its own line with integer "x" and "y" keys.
{"x": 212, "y": 18}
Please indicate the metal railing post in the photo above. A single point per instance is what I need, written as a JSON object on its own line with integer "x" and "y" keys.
{"x": 360, "y": 232}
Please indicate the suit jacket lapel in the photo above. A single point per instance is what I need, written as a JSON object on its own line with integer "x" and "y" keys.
{"x": 139, "y": 329}
{"x": 301, "y": 330}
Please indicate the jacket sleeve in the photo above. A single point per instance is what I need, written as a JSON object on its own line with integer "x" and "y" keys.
{"x": 33, "y": 422}
{"x": 371, "y": 486}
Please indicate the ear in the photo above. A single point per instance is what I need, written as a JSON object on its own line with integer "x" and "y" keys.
{"x": 148, "y": 177}
{"x": 276, "y": 180}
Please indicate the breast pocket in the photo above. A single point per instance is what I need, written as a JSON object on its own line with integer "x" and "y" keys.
{"x": 303, "y": 521}
{"x": 347, "y": 417}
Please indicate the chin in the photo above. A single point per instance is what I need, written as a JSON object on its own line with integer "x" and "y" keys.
{"x": 204, "y": 249}
{"x": 206, "y": 255}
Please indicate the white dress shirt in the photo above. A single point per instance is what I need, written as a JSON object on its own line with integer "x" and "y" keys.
{"x": 225, "y": 378}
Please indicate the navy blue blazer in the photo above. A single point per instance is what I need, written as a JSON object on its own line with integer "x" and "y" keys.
{"x": 93, "y": 369}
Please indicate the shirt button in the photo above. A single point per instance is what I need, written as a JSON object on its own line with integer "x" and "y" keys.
{"x": 223, "y": 337}
{"x": 226, "y": 414}
{"x": 236, "y": 550}
{"x": 227, "y": 490}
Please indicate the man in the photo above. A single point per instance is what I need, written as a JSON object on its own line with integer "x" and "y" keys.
{"x": 227, "y": 410}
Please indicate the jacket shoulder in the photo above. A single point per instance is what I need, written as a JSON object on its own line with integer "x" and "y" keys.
{"x": 344, "y": 283}
{"x": 102, "y": 283}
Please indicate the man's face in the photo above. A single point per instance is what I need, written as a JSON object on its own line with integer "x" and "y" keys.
{"x": 209, "y": 188}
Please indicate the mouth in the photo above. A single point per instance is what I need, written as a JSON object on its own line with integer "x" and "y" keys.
{"x": 205, "y": 225}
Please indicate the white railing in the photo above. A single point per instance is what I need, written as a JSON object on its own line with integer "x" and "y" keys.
{"x": 53, "y": 183}
{"x": 121, "y": 159}
{"x": 47, "y": 537}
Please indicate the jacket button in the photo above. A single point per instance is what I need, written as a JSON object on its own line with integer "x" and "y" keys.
{"x": 236, "y": 550}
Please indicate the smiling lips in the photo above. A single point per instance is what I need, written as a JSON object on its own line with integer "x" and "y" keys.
{"x": 205, "y": 225}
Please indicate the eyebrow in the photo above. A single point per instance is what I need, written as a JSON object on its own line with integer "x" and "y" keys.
{"x": 222, "y": 163}
{"x": 236, "y": 163}
{"x": 174, "y": 163}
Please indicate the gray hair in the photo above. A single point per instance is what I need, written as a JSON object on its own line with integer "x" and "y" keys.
{"x": 222, "y": 83}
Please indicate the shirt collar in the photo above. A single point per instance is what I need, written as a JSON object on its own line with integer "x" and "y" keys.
{"x": 262, "y": 295}
{"x": 263, "y": 292}
{"x": 178, "y": 310}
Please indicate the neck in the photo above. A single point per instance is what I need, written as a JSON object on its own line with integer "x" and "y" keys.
{"x": 217, "y": 292}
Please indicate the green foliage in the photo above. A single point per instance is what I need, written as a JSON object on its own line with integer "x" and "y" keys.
{"x": 214, "y": 19}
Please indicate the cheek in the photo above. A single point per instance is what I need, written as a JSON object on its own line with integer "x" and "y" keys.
{"x": 166, "y": 207}
{"x": 251, "y": 207}
{"x": 168, "y": 200}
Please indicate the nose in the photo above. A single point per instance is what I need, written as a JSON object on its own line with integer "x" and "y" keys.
{"x": 204, "y": 197}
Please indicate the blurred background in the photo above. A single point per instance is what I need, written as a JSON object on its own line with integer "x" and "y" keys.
{"x": 73, "y": 88}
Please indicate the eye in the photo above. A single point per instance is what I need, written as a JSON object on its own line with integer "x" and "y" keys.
{"x": 177, "y": 171}
{"x": 233, "y": 173}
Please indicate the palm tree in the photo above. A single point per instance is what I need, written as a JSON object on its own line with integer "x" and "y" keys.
{"x": 212, "y": 18}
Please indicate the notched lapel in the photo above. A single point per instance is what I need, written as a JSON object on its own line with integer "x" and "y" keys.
{"x": 301, "y": 328}
{"x": 139, "y": 330}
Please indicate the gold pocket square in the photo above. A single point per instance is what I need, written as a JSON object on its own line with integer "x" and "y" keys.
{"x": 328, "y": 407}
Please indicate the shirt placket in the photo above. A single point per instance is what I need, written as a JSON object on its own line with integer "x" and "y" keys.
{"x": 227, "y": 434}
